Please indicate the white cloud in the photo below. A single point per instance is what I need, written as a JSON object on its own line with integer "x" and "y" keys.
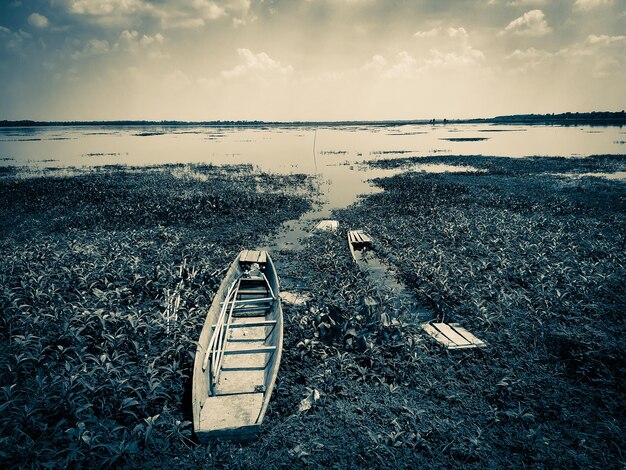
{"x": 532, "y": 23}
{"x": 405, "y": 66}
{"x": 529, "y": 59}
{"x": 15, "y": 41}
{"x": 91, "y": 48}
{"x": 605, "y": 40}
{"x": 450, "y": 32}
{"x": 171, "y": 14}
{"x": 258, "y": 65}
{"x": 591, "y": 4}
{"x": 599, "y": 56}
{"x": 427, "y": 34}
{"x": 134, "y": 42}
{"x": 38, "y": 21}
{"x": 518, "y": 3}
{"x": 377, "y": 62}
{"x": 457, "y": 33}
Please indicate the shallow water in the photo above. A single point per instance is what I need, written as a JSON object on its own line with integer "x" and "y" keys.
{"x": 332, "y": 152}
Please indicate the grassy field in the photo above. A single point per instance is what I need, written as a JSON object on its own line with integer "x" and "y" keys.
{"x": 95, "y": 367}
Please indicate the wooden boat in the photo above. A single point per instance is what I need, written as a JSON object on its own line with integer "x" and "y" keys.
{"x": 358, "y": 241}
{"x": 239, "y": 351}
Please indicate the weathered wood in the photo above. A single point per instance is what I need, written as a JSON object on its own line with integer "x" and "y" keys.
{"x": 327, "y": 225}
{"x": 452, "y": 336}
{"x": 436, "y": 334}
{"x": 247, "y": 361}
{"x": 257, "y": 350}
{"x": 230, "y": 416}
{"x": 247, "y": 324}
{"x": 249, "y": 301}
{"x": 467, "y": 335}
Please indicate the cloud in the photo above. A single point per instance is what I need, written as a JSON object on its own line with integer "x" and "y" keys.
{"x": 457, "y": 33}
{"x": 15, "y": 41}
{"x": 183, "y": 14}
{"x": 378, "y": 62}
{"x": 600, "y": 56}
{"x": 406, "y": 66}
{"x": 92, "y": 47}
{"x": 427, "y": 34}
{"x": 38, "y": 21}
{"x": 591, "y": 4}
{"x": 134, "y": 42}
{"x": 605, "y": 40}
{"x": 530, "y": 59}
{"x": 532, "y": 23}
{"x": 258, "y": 65}
{"x": 519, "y": 3}
{"x": 450, "y": 32}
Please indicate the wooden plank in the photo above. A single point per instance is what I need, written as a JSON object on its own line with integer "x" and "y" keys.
{"x": 248, "y": 301}
{"x": 256, "y": 350}
{"x": 263, "y": 257}
{"x": 240, "y": 381}
{"x": 250, "y": 312}
{"x": 436, "y": 334}
{"x": 249, "y": 288}
{"x": 247, "y": 334}
{"x": 224, "y": 413}
{"x": 249, "y": 256}
{"x": 243, "y": 322}
{"x": 467, "y": 335}
{"x": 452, "y": 335}
{"x": 246, "y": 362}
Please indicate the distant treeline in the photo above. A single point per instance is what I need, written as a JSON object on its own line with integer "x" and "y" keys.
{"x": 602, "y": 118}
{"x": 598, "y": 117}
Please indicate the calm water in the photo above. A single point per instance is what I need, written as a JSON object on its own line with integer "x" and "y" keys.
{"x": 331, "y": 152}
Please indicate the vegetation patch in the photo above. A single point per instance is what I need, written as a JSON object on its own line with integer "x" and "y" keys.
{"x": 97, "y": 362}
{"x": 106, "y": 279}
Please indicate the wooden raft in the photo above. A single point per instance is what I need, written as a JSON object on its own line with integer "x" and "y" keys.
{"x": 327, "y": 225}
{"x": 452, "y": 335}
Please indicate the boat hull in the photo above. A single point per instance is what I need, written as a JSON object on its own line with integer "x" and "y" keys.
{"x": 232, "y": 403}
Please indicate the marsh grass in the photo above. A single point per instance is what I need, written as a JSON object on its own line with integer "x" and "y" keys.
{"x": 106, "y": 278}
{"x": 531, "y": 263}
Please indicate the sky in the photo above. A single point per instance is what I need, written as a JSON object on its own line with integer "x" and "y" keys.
{"x": 287, "y": 60}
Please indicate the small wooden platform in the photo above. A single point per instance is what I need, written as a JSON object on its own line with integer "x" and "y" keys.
{"x": 452, "y": 335}
{"x": 253, "y": 256}
{"x": 327, "y": 225}
{"x": 359, "y": 238}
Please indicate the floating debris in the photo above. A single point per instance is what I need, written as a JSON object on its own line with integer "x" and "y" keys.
{"x": 327, "y": 225}
{"x": 295, "y": 298}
